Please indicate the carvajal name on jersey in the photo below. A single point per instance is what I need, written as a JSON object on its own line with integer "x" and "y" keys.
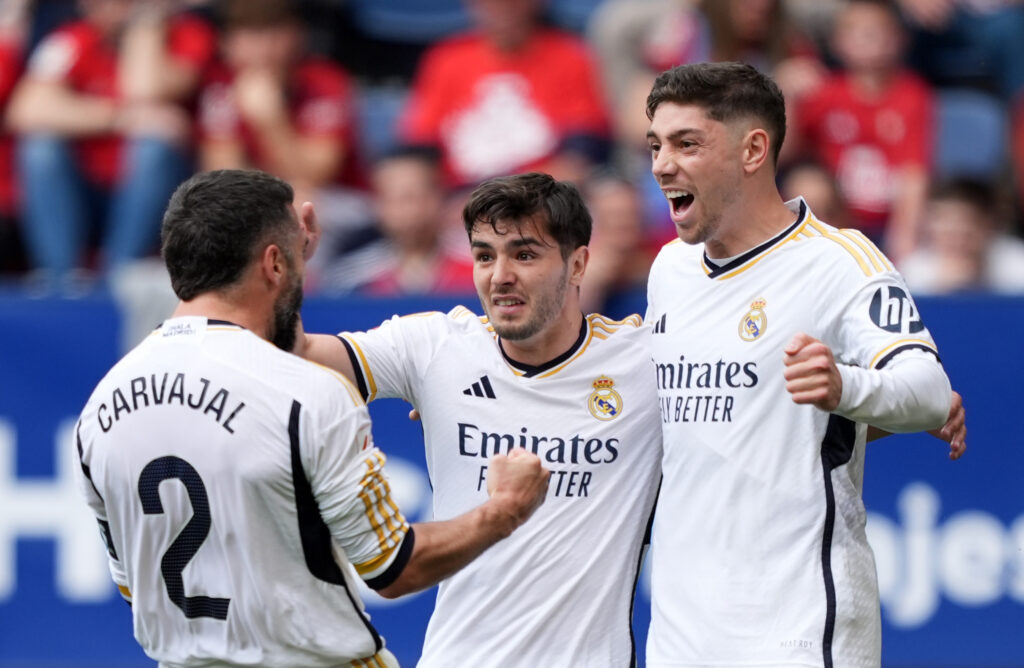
{"x": 169, "y": 389}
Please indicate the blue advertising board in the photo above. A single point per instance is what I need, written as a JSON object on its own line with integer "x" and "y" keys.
{"x": 948, "y": 536}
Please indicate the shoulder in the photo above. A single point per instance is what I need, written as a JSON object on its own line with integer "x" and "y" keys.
{"x": 432, "y": 325}
{"x": 845, "y": 251}
{"x": 630, "y": 331}
{"x": 315, "y": 386}
{"x": 62, "y": 49}
{"x": 676, "y": 251}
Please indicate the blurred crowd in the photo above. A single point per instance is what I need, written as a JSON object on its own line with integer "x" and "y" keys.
{"x": 905, "y": 120}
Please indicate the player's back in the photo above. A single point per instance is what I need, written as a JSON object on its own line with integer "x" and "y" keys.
{"x": 201, "y": 444}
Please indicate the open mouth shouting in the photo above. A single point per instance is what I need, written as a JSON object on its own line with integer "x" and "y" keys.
{"x": 680, "y": 202}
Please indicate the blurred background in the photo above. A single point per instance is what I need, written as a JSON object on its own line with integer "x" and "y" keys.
{"x": 906, "y": 121}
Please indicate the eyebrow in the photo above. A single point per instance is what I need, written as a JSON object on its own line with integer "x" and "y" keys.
{"x": 674, "y": 136}
{"x": 518, "y": 242}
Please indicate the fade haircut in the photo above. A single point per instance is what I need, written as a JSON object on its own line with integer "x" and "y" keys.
{"x": 726, "y": 92}
{"x": 217, "y": 222}
{"x": 513, "y": 200}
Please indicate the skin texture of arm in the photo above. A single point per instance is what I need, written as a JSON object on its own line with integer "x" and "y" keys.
{"x": 517, "y": 484}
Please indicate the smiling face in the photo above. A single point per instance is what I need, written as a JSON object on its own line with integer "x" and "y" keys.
{"x": 524, "y": 282}
{"x": 697, "y": 163}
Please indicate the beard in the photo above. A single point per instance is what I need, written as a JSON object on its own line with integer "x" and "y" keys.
{"x": 548, "y": 306}
{"x": 286, "y": 317}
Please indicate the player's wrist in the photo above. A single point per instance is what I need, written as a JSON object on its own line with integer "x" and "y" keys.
{"x": 501, "y": 516}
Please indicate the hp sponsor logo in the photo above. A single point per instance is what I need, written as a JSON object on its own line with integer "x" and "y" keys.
{"x": 893, "y": 310}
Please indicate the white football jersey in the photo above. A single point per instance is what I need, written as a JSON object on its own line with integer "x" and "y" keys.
{"x": 559, "y": 590}
{"x": 759, "y": 555}
{"x": 235, "y": 484}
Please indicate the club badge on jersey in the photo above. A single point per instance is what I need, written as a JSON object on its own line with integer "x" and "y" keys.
{"x": 604, "y": 402}
{"x": 755, "y": 321}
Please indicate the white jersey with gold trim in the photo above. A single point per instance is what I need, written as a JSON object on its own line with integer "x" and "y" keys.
{"x": 759, "y": 554}
{"x": 559, "y": 591}
{"x": 234, "y": 485}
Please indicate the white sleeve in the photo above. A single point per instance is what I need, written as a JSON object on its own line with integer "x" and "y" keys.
{"x": 911, "y": 393}
{"x": 93, "y": 498}
{"x": 348, "y": 481}
{"x": 390, "y": 360}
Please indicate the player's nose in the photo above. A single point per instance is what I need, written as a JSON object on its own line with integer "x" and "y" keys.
{"x": 502, "y": 272}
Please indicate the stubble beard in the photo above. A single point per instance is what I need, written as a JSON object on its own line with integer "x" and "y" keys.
{"x": 549, "y": 305}
{"x": 286, "y": 317}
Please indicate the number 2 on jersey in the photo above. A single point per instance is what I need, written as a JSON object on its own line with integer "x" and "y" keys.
{"x": 189, "y": 540}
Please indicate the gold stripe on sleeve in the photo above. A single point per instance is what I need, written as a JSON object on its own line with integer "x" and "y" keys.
{"x": 863, "y": 243}
{"x": 902, "y": 342}
{"x": 845, "y": 244}
{"x": 371, "y": 384}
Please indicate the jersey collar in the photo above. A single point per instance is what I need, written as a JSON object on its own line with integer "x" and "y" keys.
{"x": 714, "y": 270}
{"x": 529, "y": 371}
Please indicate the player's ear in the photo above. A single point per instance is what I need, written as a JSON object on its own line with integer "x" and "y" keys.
{"x": 577, "y": 262}
{"x": 756, "y": 149}
{"x": 272, "y": 264}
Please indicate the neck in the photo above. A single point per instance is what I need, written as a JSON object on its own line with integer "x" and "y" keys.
{"x": 557, "y": 338}
{"x": 215, "y": 306}
{"x": 752, "y": 222}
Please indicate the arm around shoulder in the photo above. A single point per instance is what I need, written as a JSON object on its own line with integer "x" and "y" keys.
{"x": 912, "y": 393}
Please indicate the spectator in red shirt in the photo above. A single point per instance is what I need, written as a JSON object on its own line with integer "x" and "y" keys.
{"x": 12, "y": 35}
{"x": 871, "y": 125}
{"x": 270, "y": 105}
{"x": 104, "y": 129}
{"x": 412, "y": 254}
{"x": 511, "y": 96}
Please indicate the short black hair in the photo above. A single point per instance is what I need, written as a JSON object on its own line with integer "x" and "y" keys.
{"x": 216, "y": 222}
{"x": 726, "y": 91}
{"x": 514, "y": 199}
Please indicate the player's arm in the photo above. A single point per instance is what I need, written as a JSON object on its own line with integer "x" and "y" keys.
{"x": 326, "y": 350}
{"x": 89, "y": 491}
{"x": 517, "y": 485}
{"x": 953, "y": 432}
{"x": 912, "y": 393}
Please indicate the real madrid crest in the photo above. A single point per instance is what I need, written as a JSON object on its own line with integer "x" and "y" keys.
{"x": 604, "y": 402}
{"x": 754, "y": 322}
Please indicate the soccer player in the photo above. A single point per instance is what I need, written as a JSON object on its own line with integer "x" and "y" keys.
{"x": 537, "y": 374}
{"x": 235, "y": 483}
{"x": 776, "y": 338}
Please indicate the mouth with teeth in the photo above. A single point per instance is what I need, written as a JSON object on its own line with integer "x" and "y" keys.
{"x": 507, "y": 304}
{"x": 679, "y": 200}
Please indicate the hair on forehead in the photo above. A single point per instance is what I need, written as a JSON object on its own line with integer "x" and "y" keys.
{"x": 555, "y": 207}
{"x": 726, "y": 92}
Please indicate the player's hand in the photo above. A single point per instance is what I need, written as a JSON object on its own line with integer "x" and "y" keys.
{"x": 954, "y": 431}
{"x": 811, "y": 373}
{"x": 311, "y": 228}
{"x": 517, "y": 483}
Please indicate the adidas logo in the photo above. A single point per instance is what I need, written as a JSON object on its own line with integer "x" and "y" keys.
{"x": 481, "y": 388}
{"x": 659, "y": 327}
